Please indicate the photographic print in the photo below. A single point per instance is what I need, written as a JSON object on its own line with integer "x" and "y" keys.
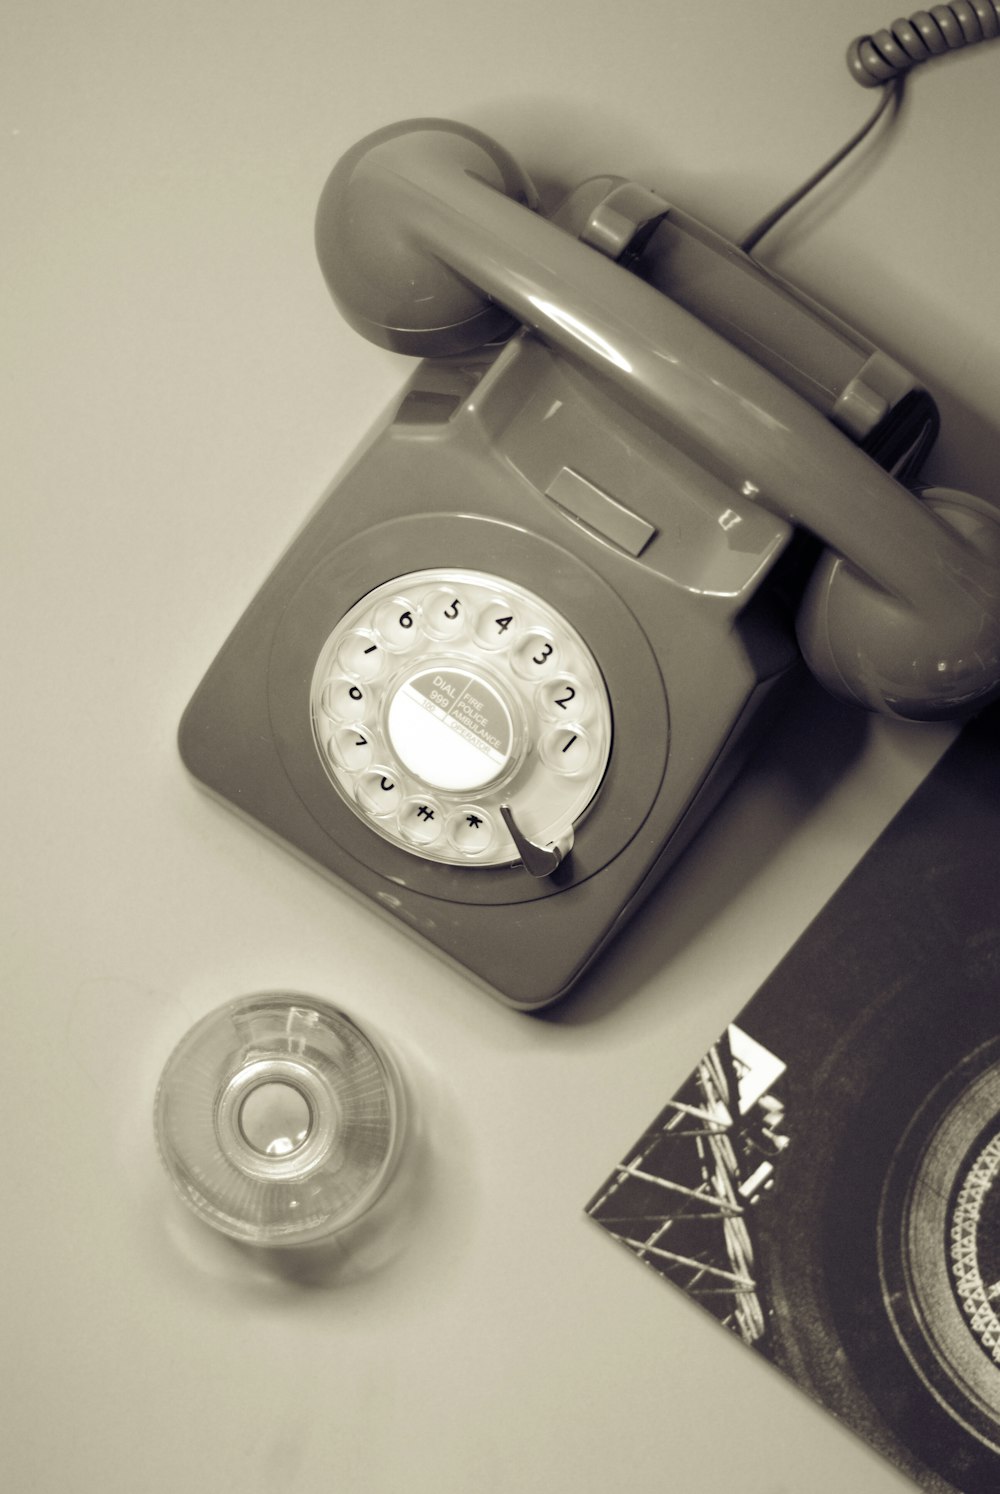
{"x": 827, "y": 1181}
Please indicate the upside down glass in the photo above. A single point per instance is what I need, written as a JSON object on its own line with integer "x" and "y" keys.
{"x": 279, "y": 1120}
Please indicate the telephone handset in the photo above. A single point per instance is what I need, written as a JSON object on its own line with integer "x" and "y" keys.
{"x": 417, "y": 216}
{"x": 507, "y": 668}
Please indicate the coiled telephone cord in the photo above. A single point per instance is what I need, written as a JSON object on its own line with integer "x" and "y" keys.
{"x": 882, "y": 61}
{"x": 887, "y": 54}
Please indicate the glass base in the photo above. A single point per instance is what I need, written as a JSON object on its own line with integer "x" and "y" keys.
{"x": 278, "y": 1120}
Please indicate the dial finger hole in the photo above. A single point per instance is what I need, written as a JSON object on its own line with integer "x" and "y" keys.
{"x": 398, "y": 624}
{"x": 471, "y": 830}
{"x": 344, "y": 700}
{"x": 496, "y": 624}
{"x": 567, "y": 749}
{"x": 378, "y": 793}
{"x": 562, "y": 699}
{"x": 361, "y": 654}
{"x": 351, "y": 748}
{"x": 536, "y": 656}
{"x": 445, "y": 614}
{"x": 421, "y": 821}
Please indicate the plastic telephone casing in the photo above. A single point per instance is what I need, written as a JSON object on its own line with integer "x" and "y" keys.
{"x": 705, "y": 473}
{"x": 516, "y": 462}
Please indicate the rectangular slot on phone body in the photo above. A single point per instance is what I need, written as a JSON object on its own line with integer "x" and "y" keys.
{"x": 597, "y": 509}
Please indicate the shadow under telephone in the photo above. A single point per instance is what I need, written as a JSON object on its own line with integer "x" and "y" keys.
{"x": 509, "y": 665}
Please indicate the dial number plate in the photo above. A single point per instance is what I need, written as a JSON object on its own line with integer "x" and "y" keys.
{"x": 441, "y": 696}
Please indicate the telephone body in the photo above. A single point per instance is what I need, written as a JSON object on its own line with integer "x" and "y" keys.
{"x": 518, "y": 652}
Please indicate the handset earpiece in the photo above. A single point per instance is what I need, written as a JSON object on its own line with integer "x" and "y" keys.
{"x": 372, "y": 249}
{"x": 428, "y": 246}
{"x": 869, "y": 646}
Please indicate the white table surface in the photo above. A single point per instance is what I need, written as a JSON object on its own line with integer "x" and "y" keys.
{"x": 178, "y": 390}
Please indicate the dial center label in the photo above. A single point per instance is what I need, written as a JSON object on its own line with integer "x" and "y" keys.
{"x": 451, "y": 728}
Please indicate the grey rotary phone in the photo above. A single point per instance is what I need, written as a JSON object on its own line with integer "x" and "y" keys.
{"x": 507, "y": 667}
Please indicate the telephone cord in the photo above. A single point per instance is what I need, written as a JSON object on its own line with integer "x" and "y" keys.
{"x": 882, "y": 60}
{"x": 893, "y": 93}
{"x": 889, "y": 53}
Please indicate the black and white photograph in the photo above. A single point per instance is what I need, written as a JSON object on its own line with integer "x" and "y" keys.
{"x": 500, "y": 593}
{"x": 827, "y": 1182}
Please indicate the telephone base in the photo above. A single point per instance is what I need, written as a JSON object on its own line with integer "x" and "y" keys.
{"x": 465, "y": 480}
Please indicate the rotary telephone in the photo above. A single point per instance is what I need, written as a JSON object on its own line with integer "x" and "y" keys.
{"x": 510, "y": 663}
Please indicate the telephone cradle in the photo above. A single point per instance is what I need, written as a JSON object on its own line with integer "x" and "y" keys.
{"x": 513, "y": 659}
